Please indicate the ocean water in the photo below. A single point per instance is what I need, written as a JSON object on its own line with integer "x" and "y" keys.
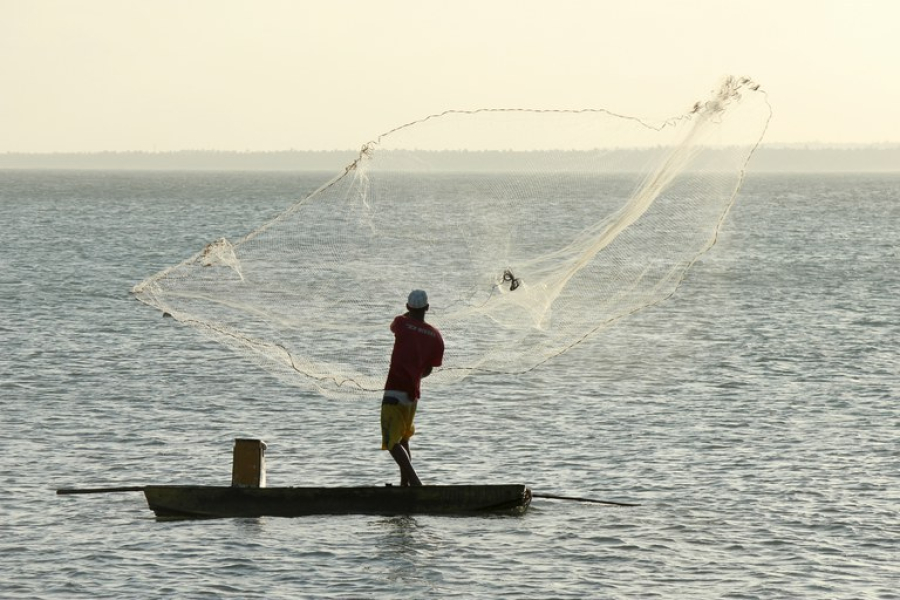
{"x": 754, "y": 416}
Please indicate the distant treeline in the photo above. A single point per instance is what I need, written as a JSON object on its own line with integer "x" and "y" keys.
{"x": 767, "y": 159}
{"x": 185, "y": 160}
{"x": 847, "y": 159}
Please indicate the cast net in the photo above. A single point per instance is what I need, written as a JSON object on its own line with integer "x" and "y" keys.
{"x": 530, "y": 230}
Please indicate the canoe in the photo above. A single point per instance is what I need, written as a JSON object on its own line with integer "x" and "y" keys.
{"x": 202, "y": 501}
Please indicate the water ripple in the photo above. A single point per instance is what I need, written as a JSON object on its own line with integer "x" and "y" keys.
{"x": 753, "y": 416}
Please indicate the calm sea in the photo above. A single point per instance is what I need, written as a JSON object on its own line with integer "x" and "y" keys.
{"x": 754, "y": 416}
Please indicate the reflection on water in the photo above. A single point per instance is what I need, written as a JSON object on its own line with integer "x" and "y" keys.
{"x": 405, "y": 547}
{"x": 753, "y": 416}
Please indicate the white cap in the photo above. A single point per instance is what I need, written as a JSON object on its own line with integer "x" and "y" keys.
{"x": 417, "y": 299}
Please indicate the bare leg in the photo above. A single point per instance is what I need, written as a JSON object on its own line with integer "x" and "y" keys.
{"x": 405, "y": 443}
{"x": 404, "y": 477}
{"x": 401, "y": 455}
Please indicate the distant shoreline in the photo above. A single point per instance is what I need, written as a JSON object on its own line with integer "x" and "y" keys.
{"x": 767, "y": 159}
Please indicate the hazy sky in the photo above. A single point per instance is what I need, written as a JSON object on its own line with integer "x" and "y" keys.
{"x": 89, "y": 75}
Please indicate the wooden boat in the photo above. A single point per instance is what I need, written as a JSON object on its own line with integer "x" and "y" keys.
{"x": 248, "y": 496}
{"x": 201, "y": 501}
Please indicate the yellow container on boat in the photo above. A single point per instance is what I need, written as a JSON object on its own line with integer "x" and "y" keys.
{"x": 249, "y": 464}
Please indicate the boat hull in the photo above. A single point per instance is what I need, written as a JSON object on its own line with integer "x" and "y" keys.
{"x": 196, "y": 501}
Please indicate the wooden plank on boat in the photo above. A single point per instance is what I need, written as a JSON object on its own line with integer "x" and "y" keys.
{"x": 220, "y": 501}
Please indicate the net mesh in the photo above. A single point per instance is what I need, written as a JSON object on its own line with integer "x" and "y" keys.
{"x": 530, "y": 230}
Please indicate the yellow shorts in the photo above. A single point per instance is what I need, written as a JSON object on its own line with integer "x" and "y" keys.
{"x": 396, "y": 423}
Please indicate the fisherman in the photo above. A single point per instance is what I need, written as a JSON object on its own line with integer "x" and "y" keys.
{"x": 418, "y": 348}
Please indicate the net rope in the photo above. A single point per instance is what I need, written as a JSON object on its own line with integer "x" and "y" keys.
{"x": 531, "y": 230}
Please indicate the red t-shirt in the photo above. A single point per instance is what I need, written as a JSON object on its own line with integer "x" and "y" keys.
{"x": 417, "y": 346}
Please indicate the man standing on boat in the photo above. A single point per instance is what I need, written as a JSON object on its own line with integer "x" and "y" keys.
{"x": 418, "y": 348}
